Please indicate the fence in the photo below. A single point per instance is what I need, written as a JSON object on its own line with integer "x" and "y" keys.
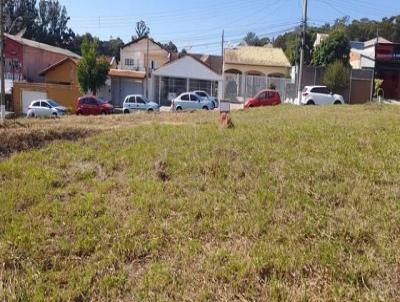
{"x": 238, "y": 88}
{"x": 360, "y": 86}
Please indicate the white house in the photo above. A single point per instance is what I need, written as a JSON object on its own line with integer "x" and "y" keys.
{"x": 187, "y": 73}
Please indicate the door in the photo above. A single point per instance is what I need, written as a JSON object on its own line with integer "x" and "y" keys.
{"x": 140, "y": 103}
{"x": 327, "y": 96}
{"x": 93, "y": 106}
{"x": 36, "y": 108}
{"x": 195, "y": 102}
{"x": 130, "y": 87}
{"x": 29, "y": 96}
{"x": 262, "y": 99}
{"x": 185, "y": 101}
{"x": 45, "y": 109}
{"x": 131, "y": 103}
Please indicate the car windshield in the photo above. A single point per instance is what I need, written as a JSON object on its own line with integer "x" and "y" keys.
{"x": 102, "y": 100}
{"x": 53, "y": 103}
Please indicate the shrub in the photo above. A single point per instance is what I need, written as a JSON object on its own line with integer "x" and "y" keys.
{"x": 337, "y": 76}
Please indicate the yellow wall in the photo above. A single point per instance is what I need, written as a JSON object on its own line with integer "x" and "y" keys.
{"x": 64, "y": 73}
{"x": 265, "y": 70}
{"x": 65, "y": 95}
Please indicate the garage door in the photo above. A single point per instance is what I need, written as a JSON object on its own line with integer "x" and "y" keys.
{"x": 29, "y": 96}
{"x": 121, "y": 87}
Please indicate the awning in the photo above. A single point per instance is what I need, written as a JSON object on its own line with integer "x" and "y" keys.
{"x": 127, "y": 74}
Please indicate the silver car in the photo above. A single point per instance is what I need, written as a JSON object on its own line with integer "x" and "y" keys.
{"x": 46, "y": 108}
{"x": 204, "y": 95}
{"x": 190, "y": 101}
{"x": 137, "y": 102}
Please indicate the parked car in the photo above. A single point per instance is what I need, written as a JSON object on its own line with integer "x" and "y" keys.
{"x": 138, "y": 103}
{"x": 190, "y": 101}
{"x": 266, "y": 97}
{"x": 320, "y": 95}
{"x": 91, "y": 105}
{"x": 45, "y": 108}
{"x": 204, "y": 95}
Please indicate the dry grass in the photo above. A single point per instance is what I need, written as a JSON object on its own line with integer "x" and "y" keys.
{"x": 292, "y": 204}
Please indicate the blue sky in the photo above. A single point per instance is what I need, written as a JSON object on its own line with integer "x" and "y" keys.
{"x": 197, "y": 24}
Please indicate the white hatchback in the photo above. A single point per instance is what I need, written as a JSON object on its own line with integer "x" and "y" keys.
{"x": 46, "y": 108}
{"x": 320, "y": 95}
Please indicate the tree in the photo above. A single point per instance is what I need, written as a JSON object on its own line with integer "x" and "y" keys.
{"x": 142, "y": 30}
{"x": 26, "y": 9}
{"x": 171, "y": 47}
{"x": 335, "y": 47}
{"x": 337, "y": 76}
{"x": 251, "y": 39}
{"x": 51, "y": 26}
{"x": 92, "y": 70}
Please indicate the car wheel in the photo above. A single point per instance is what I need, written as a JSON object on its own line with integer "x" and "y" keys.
{"x": 206, "y": 108}
{"x": 78, "y": 113}
{"x": 126, "y": 111}
{"x": 337, "y": 102}
{"x": 103, "y": 113}
{"x": 150, "y": 110}
{"x": 310, "y": 103}
{"x": 30, "y": 114}
{"x": 178, "y": 108}
{"x": 55, "y": 115}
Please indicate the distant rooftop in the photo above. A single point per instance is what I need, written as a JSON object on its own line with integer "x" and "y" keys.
{"x": 252, "y": 55}
{"x": 43, "y": 46}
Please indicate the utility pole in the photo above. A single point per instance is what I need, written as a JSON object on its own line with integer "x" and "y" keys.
{"x": 222, "y": 89}
{"x": 303, "y": 46}
{"x": 2, "y": 80}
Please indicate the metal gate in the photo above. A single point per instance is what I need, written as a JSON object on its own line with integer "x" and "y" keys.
{"x": 238, "y": 88}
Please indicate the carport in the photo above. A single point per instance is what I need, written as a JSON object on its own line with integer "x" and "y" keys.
{"x": 184, "y": 74}
{"x": 125, "y": 82}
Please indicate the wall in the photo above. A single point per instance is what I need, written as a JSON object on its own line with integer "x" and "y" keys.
{"x": 138, "y": 52}
{"x": 65, "y": 73}
{"x": 66, "y": 95}
{"x": 36, "y": 60}
{"x": 265, "y": 70}
{"x": 13, "y": 53}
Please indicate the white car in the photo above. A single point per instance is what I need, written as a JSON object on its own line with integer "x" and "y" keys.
{"x": 204, "y": 95}
{"x": 138, "y": 102}
{"x": 320, "y": 95}
{"x": 46, "y": 108}
{"x": 190, "y": 101}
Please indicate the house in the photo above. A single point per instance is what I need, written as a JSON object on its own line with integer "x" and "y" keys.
{"x": 362, "y": 54}
{"x": 259, "y": 61}
{"x": 249, "y": 69}
{"x": 25, "y": 59}
{"x": 320, "y": 38}
{"x": 60, "y": 83}
{"x": 383, "y": 57}
{"x": 186, "y": 73}
{"x": 139, "y": 59}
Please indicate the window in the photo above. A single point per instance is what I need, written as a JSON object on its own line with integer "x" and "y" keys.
{"x": 130, "y": 100}
{"x": 45, "y": 105}
{"x": 36, "y": 104}
{"x": 201, "y": 94}
{"x": 153, "y": 65}
{"x": 185, "y": 97}
{"x": 262, "y": 96}
{"x": 194, "y": 98}
{"x": 139, "y": 100}
{"x": 129, "y": 62}
{"x": 91, "y": 101}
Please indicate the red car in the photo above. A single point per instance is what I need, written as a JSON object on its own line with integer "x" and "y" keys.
{"x": 266, "y": 97}
{"x": 91, "y": 105}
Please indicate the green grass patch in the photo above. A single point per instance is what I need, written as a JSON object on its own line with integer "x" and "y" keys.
{"x": 293, "y": 204}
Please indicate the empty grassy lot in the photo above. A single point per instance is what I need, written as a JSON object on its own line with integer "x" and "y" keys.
{"x": 293, "y": 204}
